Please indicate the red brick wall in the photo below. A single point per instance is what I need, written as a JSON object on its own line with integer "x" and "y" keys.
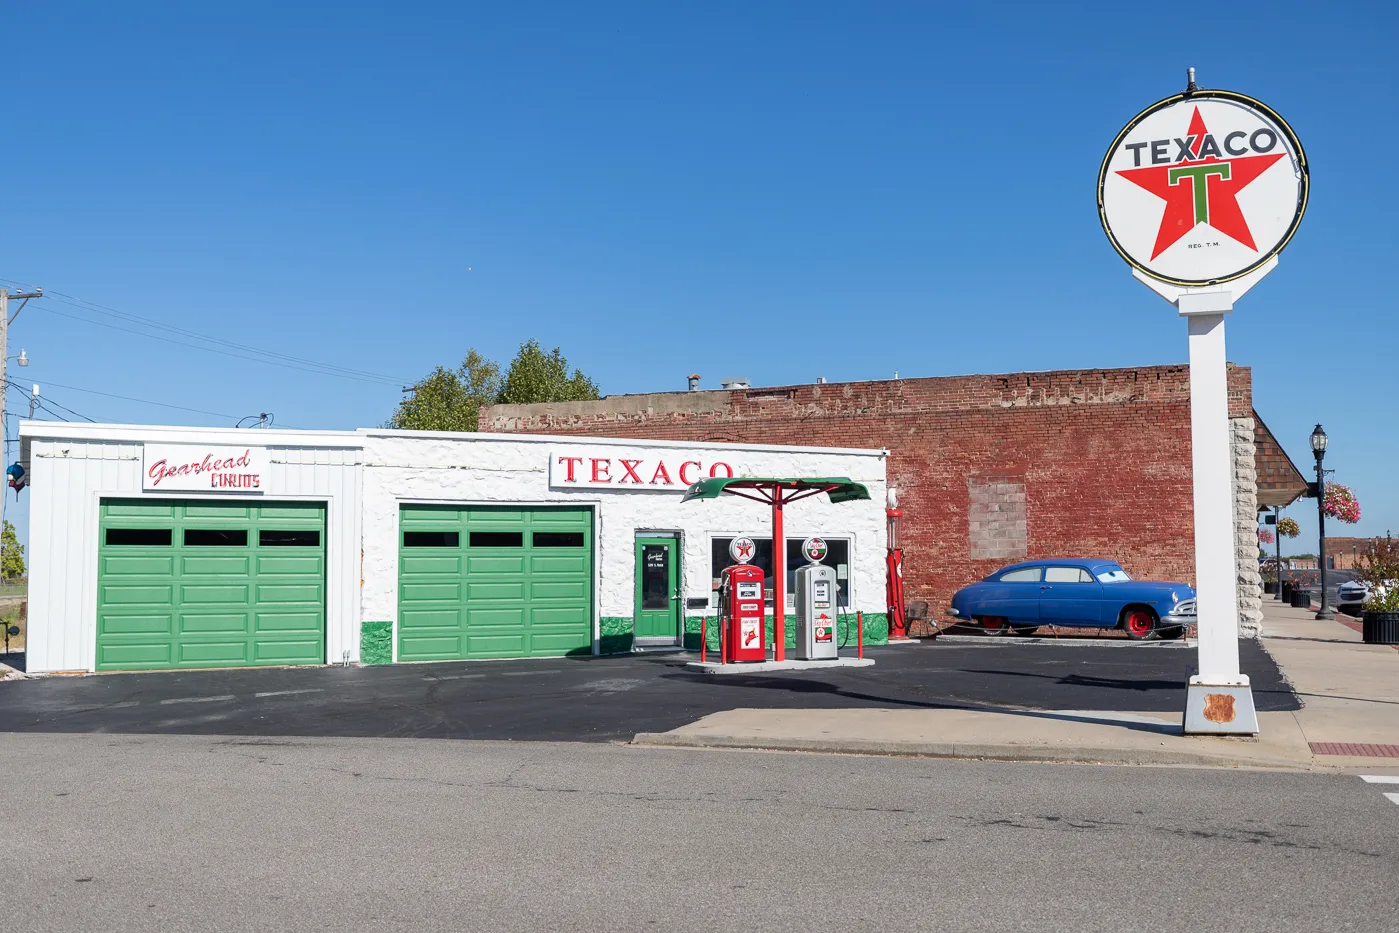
{"x": 1104, "y": 455}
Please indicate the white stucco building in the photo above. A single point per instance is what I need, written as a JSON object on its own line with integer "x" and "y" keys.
{"x": 156, "y": 547}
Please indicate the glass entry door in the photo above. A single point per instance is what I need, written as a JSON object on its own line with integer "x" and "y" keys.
{"x": 657, "y": 591}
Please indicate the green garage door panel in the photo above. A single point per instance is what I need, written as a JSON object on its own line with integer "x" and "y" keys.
{"x": 494, "y": 583}
{"x": 210, "y": 584}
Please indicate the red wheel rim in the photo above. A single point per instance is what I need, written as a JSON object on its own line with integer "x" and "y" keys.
{"x": 993, "y": 623}
{"x": 1139, "y": 622}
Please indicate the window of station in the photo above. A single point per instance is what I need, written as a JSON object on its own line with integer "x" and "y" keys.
{"x": 497, "y": 539}
{"x": 557, "y": 539}
{"x": 431, "y": 538}
{"x": 216, "y": 537}
{"x": 268, "y": 537}
{"x": 837, "y": 556}
{"x": 139, "y": 537}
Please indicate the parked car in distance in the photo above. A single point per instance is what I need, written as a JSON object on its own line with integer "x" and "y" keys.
{"x": 1074, "y": 592}
{"x": 1351, "y": 595}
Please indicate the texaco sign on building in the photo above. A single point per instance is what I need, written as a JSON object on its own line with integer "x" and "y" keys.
{"x": 1202, "y": 188}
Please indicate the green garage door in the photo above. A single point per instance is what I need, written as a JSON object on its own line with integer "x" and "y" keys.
{"x": 494, "y": 583}
{"x": 210, "y": 584}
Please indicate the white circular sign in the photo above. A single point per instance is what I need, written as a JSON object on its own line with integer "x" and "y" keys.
{"x": 1203, "y": 187}
{"x": 742, "y": 549}
{"x": 813, "y": 549}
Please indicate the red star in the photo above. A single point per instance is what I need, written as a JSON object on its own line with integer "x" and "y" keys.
{"x": 744, "y": 549}
{"x": 1220, "y": 204}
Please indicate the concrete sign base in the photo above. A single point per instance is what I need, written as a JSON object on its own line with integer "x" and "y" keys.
{"x": 1219, "y": 710}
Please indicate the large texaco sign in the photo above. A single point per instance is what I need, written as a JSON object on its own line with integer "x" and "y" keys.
{"x": 1202, "y": 188}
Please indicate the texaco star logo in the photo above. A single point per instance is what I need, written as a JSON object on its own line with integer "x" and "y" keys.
{"x": 741, "y": 549}
{"x": 1202, "y": 188}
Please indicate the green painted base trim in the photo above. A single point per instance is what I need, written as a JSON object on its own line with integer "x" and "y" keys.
{"x": 616, "y": 634}
{"x": 876, "y": 631}
{"x": 376, "y": 643}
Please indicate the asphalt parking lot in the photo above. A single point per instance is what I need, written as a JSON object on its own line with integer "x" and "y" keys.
{"x": 605, "y": 699}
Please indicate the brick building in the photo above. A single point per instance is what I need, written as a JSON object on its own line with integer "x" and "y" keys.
{"x": 991, "y": 468}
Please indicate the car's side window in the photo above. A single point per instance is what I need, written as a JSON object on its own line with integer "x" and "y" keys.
{"x": 1063, "y": 575}
{"x": 1024, "y": 575}
{"x": 1084, "y": 576}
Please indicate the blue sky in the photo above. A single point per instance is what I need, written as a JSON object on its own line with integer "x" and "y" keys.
{"x": 887, "y": 187}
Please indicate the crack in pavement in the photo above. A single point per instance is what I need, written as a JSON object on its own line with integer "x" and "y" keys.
{"x": 1248, "y": 836}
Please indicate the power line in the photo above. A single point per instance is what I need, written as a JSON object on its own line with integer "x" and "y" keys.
{"x": 44, "y": 402}
{"x": 271, "y": 357}
{"x": 195, "y": 346}
{"x": 83, "y": 305}
{"x": 128, "y": 398}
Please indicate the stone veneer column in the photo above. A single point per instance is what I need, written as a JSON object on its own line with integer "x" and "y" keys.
{"x": 1246, "y": 528}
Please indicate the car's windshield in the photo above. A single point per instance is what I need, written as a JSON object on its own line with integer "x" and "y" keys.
{"x": 1112, "y": 575}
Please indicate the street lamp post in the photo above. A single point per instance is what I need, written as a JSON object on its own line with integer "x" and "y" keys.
{"x": 1319, "y": 440}
{"x": 1277, "y": 542}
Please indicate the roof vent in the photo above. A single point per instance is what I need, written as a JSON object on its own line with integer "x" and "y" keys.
{"x": 820, "y": 380}
{"x": 694, "y": 381}
{"x": 735, "y": 382}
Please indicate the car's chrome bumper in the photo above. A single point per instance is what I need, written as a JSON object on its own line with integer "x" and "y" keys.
{"x": 1184, "y": 613}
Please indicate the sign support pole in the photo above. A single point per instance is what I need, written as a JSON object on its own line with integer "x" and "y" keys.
{"x": 1178, "y": 218}
{"x": 1219, "y": 699}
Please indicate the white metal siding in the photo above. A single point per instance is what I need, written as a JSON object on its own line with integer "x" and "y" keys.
{"x": 69, "y": 478}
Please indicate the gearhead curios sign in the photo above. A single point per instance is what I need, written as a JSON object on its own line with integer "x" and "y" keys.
{"x": 1202, "y": 188}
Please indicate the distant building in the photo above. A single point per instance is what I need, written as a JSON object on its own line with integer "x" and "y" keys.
{"x": 990, "y": 469}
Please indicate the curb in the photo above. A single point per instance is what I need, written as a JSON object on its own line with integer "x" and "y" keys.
{"x": 1066, "y": 754}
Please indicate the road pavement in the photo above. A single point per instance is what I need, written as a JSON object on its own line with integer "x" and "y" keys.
{"x": 192, "y": 833}
{"x": 611, "y": 698}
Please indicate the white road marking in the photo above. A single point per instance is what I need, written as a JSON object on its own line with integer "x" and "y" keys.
{"x": 454, "y": 677}
{"x": 287, "y": 693}
{"x": 1380, "y": 778}
{"x": 525, "y": 673}
{"x": 1393, "y": 798}
{"x": 217, "y": 699}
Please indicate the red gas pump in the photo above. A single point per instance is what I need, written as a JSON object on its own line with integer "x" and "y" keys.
{"x": 741, "y": 613}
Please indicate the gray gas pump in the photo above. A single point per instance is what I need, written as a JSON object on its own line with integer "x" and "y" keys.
{"x": 816, "y": 612}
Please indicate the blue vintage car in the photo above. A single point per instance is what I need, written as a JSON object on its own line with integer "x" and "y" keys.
{"x": 1089, "y": 593}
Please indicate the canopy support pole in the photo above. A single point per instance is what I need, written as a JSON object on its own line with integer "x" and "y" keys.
{"x": 779, "y": 580}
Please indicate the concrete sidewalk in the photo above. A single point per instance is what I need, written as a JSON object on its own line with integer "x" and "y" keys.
{"x": 1349, "y": 691}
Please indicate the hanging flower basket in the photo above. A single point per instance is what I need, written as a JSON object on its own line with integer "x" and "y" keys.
{"x": 1340, "y": 503}
{"x": 1288, "y": 527}
{"x": 1266, "y": 536}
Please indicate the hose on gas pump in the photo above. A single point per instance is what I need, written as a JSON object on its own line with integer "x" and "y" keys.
{"x": 845, "y": 616}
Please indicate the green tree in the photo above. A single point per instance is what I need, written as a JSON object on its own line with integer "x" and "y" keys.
{"x": 536, "y": 376}
{"x": 450, "y": 399}
{"x": 11, "y": 554}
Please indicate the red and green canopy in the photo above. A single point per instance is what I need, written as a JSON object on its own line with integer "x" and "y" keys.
{"x": 787, "y": 489}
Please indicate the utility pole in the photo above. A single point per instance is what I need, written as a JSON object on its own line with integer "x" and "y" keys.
{"x": 6, "y": 319}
